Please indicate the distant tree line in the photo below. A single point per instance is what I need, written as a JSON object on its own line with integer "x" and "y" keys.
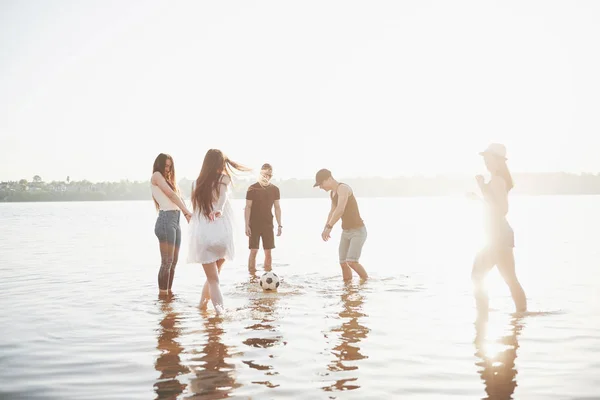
{"x": 528, "y": 184}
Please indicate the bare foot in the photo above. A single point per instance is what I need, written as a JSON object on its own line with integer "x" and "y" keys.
{"x": 204, "y": 305}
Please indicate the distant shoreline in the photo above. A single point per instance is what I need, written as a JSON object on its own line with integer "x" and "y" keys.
{"x": 534, "y": 184}
{"x": 92, "y": 199}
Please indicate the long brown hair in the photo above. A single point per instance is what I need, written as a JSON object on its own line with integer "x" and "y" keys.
{"x": 159, "y": 166}
{"x": 208, "y": 184}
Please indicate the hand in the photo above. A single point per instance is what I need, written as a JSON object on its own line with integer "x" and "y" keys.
{"x": 248, "y": 231}
{"x": 188, "y": 217}
{"x": 279, "y": 231}
{"x": 214, "y": 215}
{"x": 480, "y": 180}
{"x": 472, "y": 196}
{"x": 326, "y": 234}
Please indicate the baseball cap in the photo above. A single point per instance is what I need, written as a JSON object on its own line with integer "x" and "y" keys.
{"x": 322, "y": 175}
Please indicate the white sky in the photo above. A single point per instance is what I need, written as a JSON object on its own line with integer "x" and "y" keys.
{"x": 96, "y": 89}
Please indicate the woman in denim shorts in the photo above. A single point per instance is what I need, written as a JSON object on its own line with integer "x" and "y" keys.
{"x": 169, "y": 205}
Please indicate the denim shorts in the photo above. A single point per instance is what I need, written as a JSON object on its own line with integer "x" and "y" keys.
{"x": 351, "y": 244}
{"x": 167, "y": 228}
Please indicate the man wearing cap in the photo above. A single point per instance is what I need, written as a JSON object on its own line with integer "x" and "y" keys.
{"x": 354, "y": 232}
{"x": 261, "y": 197}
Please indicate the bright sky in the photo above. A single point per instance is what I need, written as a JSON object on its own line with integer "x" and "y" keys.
{"x": 96, "y": 89}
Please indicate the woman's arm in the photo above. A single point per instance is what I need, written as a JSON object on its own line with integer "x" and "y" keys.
{"x": 161, "y": 182}
{"x": 223, "y": 195}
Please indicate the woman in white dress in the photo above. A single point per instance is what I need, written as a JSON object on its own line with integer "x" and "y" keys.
{"x": 211, "y": 226}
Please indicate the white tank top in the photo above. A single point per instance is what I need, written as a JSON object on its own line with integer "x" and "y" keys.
{"x": 164, "y": 202}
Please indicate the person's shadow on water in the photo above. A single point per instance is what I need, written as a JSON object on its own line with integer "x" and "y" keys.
{"x": 168, "y": 363}
{"x": 347, "y": 352}
{"x": 264, "y": 325}
{"x": 215, "y": 378}
{"x": 496, "y": 358}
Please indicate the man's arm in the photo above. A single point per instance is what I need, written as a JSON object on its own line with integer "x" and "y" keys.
{"x": 277, "y": 212}
{"x": 247, "y": 213}
{"x": 330, "y": 211}
{"x": 326, "y": 231}
{"x": 278, "y": 216}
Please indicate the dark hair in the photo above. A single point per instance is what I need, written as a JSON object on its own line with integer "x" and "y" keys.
{"x": 159, "y": 166}
{"x": 207, "y": 186}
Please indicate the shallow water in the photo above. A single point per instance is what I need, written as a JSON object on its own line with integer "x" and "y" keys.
{"x": 81, "y": 317}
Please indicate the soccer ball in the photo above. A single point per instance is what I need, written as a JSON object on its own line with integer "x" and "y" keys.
{"x": 269, "y": 281}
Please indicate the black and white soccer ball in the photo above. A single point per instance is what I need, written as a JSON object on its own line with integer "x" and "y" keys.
{"x": 269, "y": 281}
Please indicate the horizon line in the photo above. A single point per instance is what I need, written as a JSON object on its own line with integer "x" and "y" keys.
{"x": 275, "y": 178}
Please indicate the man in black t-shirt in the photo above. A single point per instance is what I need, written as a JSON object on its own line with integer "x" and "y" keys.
{"x": 261, "y": 197}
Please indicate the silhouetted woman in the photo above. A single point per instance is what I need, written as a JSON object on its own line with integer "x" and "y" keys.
{"x": 211, "y": 226}
{"x": 500, "y": 236}
{"x": 169, "y": 205}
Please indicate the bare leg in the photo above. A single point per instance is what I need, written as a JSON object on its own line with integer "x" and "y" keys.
{"x": 205, "y": 297}
{"x": 484, "y": 262}
{"x": 252, "y": 260}
{"x": 346, "y": 272}
{"x": 359, "y": 269}
{"x": 167, "y": 252}
{"x": 268, "y": 260}
{"x": 212, "y": 279}
{"x": 173, "y": 265}
{"x": 506, "y": 267}
{"x": 206, "y": 294}
{"x": 351, "y": 244}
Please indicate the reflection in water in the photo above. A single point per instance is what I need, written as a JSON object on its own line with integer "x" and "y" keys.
{"x": 264, "y": 323}
{"x": 497, "y": 358}
{"x": 168, "y": 362}
{"x": 215, "y": 378}
{"x": 352, "y": 332}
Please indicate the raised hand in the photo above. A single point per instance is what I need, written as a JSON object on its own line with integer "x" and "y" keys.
{"x": 480, "y": 180}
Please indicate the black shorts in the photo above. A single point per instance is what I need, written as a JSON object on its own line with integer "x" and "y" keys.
{"x": 264, "y": 232}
